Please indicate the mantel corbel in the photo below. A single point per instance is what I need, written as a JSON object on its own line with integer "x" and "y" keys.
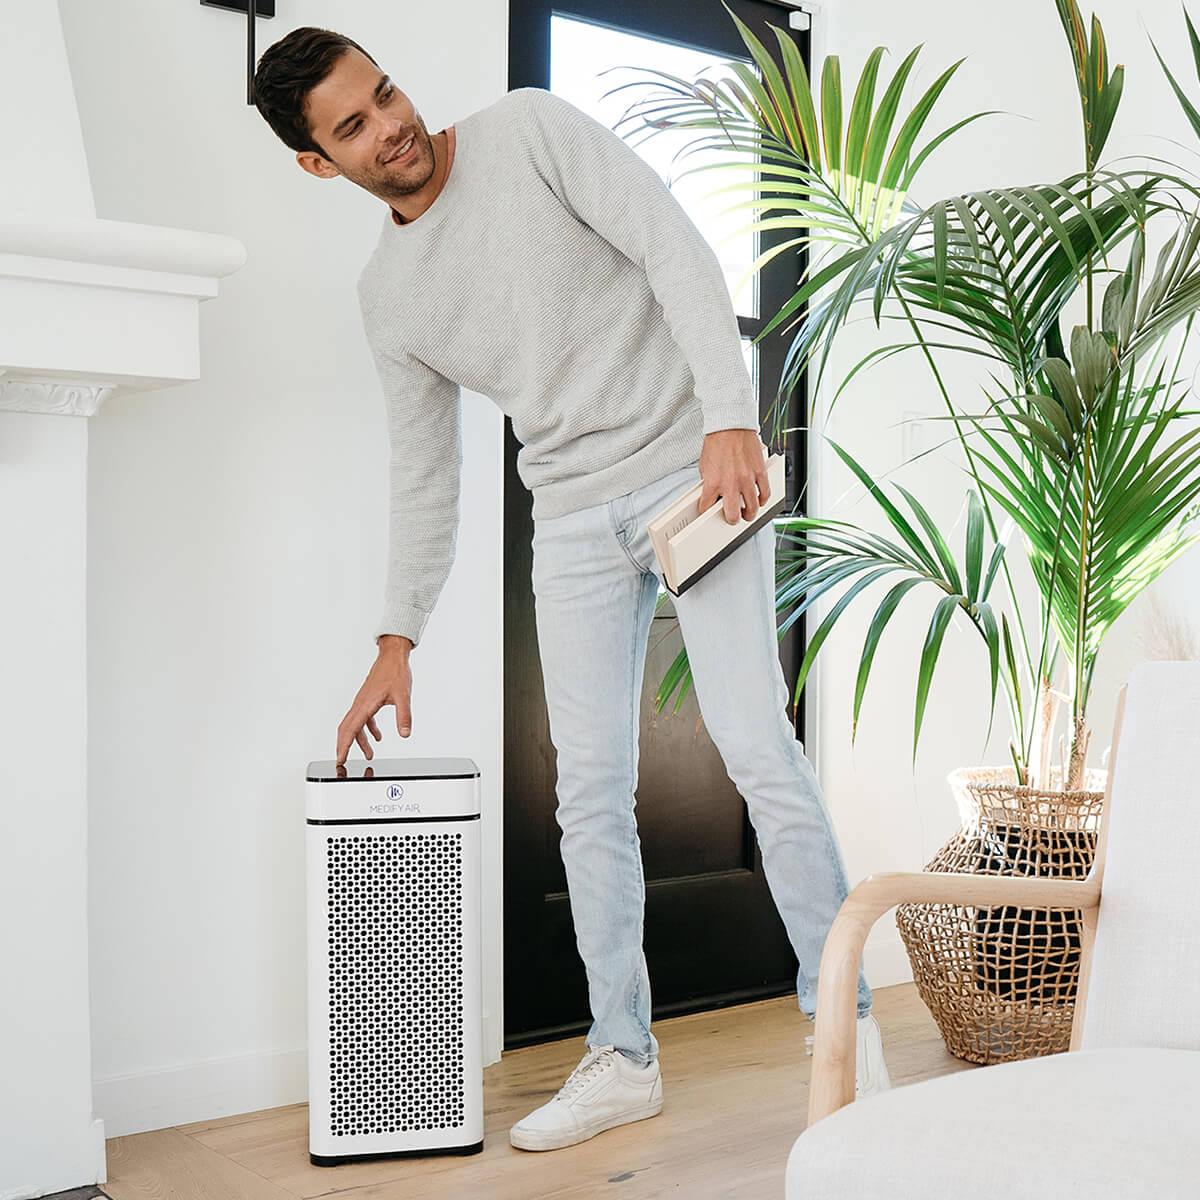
{"x": 52, "y": 396}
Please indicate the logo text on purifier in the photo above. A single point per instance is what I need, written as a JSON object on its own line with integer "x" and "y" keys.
{"x": 394, "y": 807}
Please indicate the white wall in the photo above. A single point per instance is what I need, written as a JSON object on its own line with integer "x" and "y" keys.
{"x": 48, "y": 1139}
{"x": 237, "y": 539}
{"x": 890, "y": 816}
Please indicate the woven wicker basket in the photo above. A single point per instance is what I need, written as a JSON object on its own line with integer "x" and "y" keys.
{"x": 1001, "y": 981}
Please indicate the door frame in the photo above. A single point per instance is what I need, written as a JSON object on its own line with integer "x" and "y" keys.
{"x": 529, "y": 66}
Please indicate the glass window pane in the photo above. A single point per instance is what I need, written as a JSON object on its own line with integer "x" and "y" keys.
{"x": 579, "y": 51}
{"x": 750, "y": 354}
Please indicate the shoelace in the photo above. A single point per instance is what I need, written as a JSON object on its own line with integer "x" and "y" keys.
{"x": 587, "y": 1069}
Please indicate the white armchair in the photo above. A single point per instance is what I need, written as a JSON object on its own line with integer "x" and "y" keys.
{"x": 1118, "y": 1115}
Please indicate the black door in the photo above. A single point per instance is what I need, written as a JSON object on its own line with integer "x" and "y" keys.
{"x": 712, "y": 933}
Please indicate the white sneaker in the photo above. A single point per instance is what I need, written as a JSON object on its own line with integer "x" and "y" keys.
{"x": 870, "y": 1071}
{"x": 605, "y": 1090}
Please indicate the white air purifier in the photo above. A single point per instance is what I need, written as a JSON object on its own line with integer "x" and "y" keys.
{"x": 395, "y": 1062}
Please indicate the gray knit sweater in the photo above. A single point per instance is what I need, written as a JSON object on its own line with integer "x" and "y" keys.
{"x": 556, "y": 274}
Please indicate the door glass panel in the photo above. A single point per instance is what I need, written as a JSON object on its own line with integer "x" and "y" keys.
{"x": 750, "y": 354}
{"x": 579, "y": 51}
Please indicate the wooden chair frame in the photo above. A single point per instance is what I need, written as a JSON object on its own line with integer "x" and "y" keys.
{"x": 834, "y": 1042}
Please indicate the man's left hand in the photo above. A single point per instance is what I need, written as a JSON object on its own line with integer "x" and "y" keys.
{"x": 733, "y": 468}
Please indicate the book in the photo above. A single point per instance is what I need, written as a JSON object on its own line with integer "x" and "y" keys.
{"x": 689, "y": 543}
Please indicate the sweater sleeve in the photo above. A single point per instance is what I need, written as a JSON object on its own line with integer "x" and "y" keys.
{"x": 605, "y": 184}
{"x": 425, "y": 440}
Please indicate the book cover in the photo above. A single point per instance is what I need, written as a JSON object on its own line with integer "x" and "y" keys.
{"x": 689, "y": 543}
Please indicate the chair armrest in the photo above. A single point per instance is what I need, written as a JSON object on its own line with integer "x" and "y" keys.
{"x": 834, "y": 1043}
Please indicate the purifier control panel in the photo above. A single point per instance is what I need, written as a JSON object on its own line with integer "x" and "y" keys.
{"x": 413, "y": 789}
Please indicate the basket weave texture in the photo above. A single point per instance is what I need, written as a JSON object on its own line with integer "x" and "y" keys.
{"x": 1001, "y": 982}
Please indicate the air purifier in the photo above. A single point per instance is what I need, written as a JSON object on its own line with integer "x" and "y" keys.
{"x": 395, "y": 1062}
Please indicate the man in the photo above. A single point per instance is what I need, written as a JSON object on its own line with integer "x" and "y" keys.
{"x": 527, "y": 253}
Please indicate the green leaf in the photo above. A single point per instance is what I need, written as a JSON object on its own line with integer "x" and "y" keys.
{"x": 676, "y": 678}
{"x": 1063, "y": 381}
{"x": 939, "y": 250}
{"x": 1009, "y": 657}
{"x": 993, "y": 567}
{"x": 894, "y": 515}
{"x": 927, "y": 150}
{"x": 826, "y": 626}
{"x": 1093, "y": 360}
{"x": 967, "y": 224}
{"x": 941, "y": 549}
{"x": 831, "y": 118}
{"x": 929, "y": 655}
{"x": 1099, "y": 93}
{"x": 881, "y": 129}
{"x": 801, "y": 93}
{"x": 1194, "y": 40}
{"x": 858, "y": 127}
{"x": 883, "y": 614}
{"x": 987, "y": 620}
{"x": 758, "y": 100}
{"x": 1055, "y": 419}
{"x": 906, "y": 139}
{"x": 974, "y": 545}
{"x": 774, "y": 94}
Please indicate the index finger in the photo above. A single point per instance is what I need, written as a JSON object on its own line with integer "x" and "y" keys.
{"x": 346, "y": 731}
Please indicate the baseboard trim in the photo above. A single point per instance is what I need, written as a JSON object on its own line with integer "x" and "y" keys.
{"x": 886, "y": 962}
{"x": 222, "y": 1087}
{"x": 202, "y": 1091}
{"x": 99, "y": 1153}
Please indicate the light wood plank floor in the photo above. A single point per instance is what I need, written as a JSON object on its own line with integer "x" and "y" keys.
{"x": 735, "y": 1098}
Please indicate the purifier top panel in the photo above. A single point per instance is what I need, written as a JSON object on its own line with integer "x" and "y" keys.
{"x": 359, "y": 769}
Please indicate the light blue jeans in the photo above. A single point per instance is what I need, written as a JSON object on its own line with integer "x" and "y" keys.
{"x": 595, "y": 583}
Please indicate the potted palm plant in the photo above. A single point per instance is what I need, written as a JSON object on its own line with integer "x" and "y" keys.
{"x": 1075, "y": 437}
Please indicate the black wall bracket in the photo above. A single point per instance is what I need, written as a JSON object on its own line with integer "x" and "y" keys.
{"x": 264, "y": 8}
{"x": 253, "y": 9}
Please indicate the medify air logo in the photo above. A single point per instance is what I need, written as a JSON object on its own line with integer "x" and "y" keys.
{"x": 396, "y": 805}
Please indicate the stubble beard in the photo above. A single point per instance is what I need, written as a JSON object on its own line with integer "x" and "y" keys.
{"x": 394, "y": 183}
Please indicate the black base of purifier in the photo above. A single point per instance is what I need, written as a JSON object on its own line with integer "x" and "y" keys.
{"x": 336, "y": 1160}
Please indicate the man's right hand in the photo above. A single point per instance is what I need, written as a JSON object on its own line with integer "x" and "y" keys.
{"x": 389, "y": 682}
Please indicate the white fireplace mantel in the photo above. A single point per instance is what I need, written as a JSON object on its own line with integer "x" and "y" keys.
{"x": 89, "y": 306}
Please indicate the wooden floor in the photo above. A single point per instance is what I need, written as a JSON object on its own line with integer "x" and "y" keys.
{"x": 735, "y": 1091}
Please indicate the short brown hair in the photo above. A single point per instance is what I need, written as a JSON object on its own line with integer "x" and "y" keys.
{"x": 288, "y": 71}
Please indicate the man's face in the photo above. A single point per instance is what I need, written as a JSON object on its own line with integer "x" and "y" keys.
{"x": 368, "y": 129}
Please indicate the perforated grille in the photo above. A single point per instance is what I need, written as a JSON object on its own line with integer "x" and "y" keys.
{"x": 395, "y": 983}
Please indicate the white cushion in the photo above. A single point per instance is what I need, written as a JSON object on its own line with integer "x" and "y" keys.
{"x": 1100, "y": 1124}
{"x": 1145, "y": 979}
